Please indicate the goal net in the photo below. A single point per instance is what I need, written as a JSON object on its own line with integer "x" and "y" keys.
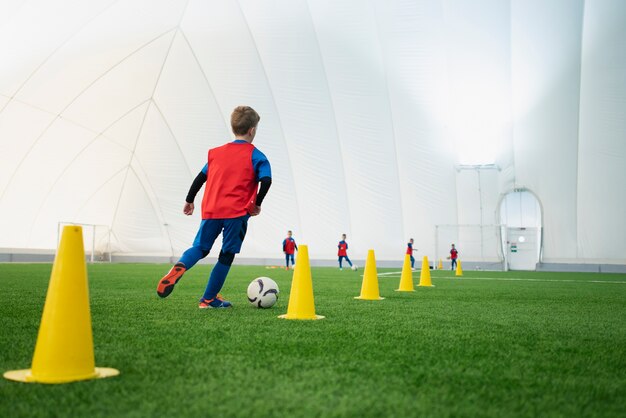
{"x": 96, "y": 239}
{"x": 479, "y": 246}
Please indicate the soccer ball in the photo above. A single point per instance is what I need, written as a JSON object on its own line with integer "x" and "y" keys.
{"x": 263, "y": 292}
{"x": 354, "y": 268}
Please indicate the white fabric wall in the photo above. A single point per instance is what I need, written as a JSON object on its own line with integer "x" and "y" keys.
{"x": 367, "y": 108}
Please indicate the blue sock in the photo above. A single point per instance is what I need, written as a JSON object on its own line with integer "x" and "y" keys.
{"x": 216, "y": 281}
{"x": 191, "y": 257}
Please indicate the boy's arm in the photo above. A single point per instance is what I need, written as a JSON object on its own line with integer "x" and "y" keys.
{"x": 296, "y": 245}
{"x": 197, "y": 184}
{"x": 263, "y": 172}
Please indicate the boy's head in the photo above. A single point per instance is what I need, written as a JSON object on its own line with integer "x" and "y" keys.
{"x": 289, "y": 234}
{"x": 244, "y": 121}
{"x": 452, "y": 245}
{"x": 343, "y": 236}
{"x": 411, "y": 240}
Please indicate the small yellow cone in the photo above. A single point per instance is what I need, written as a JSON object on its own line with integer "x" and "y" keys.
{"x": 425, "y": 274}
{"x": 64, "y": 348}
{"x": 369, "y": 287}
{"x": 301, "y": 303}
{"x": 440, "y": 266}
{"x": 459, "y": 269}
{"x": 406, "y": 280}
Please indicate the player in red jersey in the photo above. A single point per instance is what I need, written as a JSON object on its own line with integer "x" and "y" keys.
{"x": 454, "y": 254}
{"x": 232, "y": 175}
{"x": 343, "y": 251}
{"x": 289, "y": 248}
{"x": 409, "y": 251}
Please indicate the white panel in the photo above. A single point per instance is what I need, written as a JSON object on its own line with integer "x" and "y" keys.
{"x": 165, "y": 176}
{"x": 353, "y": 61}
{"x": 69, "y": 192}
{"x": 602, "y": 148}
{"x": 46, "y": 161}
{"x": 412, "y": 40}
{"x": 100, "y": 46}
{"x": 188, "y": 106}
{"x": 121, "y": 89}
{"x": 468, "y": 198}
{"x": 125, "y": 131}
{"x": 137, "y": 227}
{"x": 221, "y": 40}
{"x": 478, "y": 47}
{"x": 546, "y": 77}
{"x": 20, "y": 127}
{"x": 30, "y": 31}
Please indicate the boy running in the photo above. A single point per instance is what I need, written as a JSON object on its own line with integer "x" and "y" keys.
{"x": 232, "y": 175}
{"x": 289, "y": 247}
{"x": 343, "y": 251}
{"x": 409, "y": 251}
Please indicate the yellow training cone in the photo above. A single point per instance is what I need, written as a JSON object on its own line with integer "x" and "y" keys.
{"x": 301, "y": 303}
{"x": 459, "y": 270}
{"x": 64, "y": 349}
{"x": 406, "y": 280}
{"x": 425, "y": 274}
{"x": 440, "y": 266}
{"x": 369, "y": 288}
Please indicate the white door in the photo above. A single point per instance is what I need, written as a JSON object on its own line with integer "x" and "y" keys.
{"x": 523, "y": 248}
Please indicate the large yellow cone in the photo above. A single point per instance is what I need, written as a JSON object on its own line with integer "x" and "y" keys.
{"x": 406, "y": 280}
{"x": 369, "y": 288}
{"x": 64, "y": 349}
{"x": 425, "y": 274}
{"x": 301, "y": 303}
{"x": 440, "y": 267}
{"x": 459, "y": 269}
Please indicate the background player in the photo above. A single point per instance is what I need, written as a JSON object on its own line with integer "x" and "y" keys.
{"x": 233, "y": 173}
{"x": 289, "y": 248}
{"x": 453, "y": 256}
{"x": 409, "y": 251}
{"x": 343, "y": 251}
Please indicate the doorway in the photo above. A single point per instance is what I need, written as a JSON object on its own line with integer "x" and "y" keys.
{"x": 520, "y": 213}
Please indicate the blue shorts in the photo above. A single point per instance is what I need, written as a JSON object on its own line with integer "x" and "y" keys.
{"x": 232, "y": 239}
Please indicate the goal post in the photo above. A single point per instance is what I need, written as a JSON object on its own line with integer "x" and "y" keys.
{"x": 96, "y": 240}
{"x": 481, "y": 246}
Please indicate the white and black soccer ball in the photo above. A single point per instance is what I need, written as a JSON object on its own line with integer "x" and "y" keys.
{"x": 354, "y": 267}
{"x": 263, "y": 292}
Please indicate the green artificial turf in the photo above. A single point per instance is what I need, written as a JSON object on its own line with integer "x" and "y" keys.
{"x": 550, "y": 344}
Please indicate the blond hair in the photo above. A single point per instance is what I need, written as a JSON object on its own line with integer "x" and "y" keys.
{"x": 243, "y": 118}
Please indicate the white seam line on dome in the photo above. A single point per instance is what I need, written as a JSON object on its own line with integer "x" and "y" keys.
{"x": 206, "y": 79}
{"x": 280, "y": 123}
{"x": 36, "y": 70}
{"x": 96, "y": 191}
{"x": 342, "y": 151}
{"x": 133, "y": 154}
{"x": 169, "y": 128}
{"x": 76, "y": 157}
{"x": 30, "y": 149}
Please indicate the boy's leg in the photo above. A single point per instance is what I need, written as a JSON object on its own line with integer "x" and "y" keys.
{"x": 340, "y": 259}
{"x": 348, "y": 260}
{"x": 201, "y": 246}
{"x": 234, "y": 234}
{"x": 286, "y": 260}
{"x": 293, "y": 260}
{"x": 412, "y": 261}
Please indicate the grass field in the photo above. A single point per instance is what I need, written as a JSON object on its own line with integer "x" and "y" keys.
{"x": 548, "y": 344}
